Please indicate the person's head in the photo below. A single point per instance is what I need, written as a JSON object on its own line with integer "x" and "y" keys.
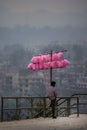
{"x": 53, "y": 83}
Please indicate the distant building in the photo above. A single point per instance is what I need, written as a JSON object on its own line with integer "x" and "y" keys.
{"x": 29, "y": 80}
{"x": 28, "y": 83}
{"x": 82, "y": 82}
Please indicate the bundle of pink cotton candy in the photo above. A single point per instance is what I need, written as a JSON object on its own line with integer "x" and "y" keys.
{"x": 48, "y": 65}
{"x": 47, "y": 58}
{"x": 46, "y": 61}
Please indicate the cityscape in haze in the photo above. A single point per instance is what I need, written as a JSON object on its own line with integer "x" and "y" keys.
{"x": 29, "y": 28}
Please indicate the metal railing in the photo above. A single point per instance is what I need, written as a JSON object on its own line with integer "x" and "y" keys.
{"x": 67, "y": 104}
{"x": 37, "y": 106}
{"x": 34, "y": 104}
{"x": 82, "y": 102}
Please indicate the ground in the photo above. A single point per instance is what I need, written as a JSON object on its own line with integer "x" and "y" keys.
{"x": 60, "y": 123}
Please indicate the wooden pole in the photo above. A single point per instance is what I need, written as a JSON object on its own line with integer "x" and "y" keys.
{"x": 51, "y": 69}
{"x": 51, "y": 60}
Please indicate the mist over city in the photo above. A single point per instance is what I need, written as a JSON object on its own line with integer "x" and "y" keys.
{"x": 37, "y": 29}
{"x": 14, "y": 58}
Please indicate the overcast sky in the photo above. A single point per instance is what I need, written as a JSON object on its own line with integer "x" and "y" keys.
{"x": 40, "y": 13}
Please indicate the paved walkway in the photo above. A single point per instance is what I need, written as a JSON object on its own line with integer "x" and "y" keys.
{"x": 61, "y": 123}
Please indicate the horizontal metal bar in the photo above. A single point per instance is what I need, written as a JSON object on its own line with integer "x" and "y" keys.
{"x": 22, "y": 108}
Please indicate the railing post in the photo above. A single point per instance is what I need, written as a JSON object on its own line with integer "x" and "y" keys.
{"x": 57, "y": 108}
{"x": 1, "y": 108}
{"x": 17, "y": 111}
{"x": 51, "y": 68}
{"x": 28, "y": 109}
{"x": 56, "y": 114}
{"x": 44, "y": 106}
{"x": 77, "y": 106}
{"x": 31, "y": 107}
{"x": 68, "y": 106}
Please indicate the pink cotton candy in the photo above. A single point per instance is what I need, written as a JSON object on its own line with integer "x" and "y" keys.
{"x": 65, "y": 62}
{"x": 33, "y": 67}
{"x": 37, "y": 66}
{"x": 59, "y": 64}
{"x": 29, "y": 66}
{"x": 41, "y": 66}
{"x": 37, "y": 59}
{"x": 45, "y": 61}
{"x": 56, "y": 64}
{"x": 53, "y": 64}
{"x": 47, "y": 58}
{"x": 47, "y": 65}
{"x": 34, "y": 59}
{"x": 42, "y": 58}
{"x": 54, "y": 57}
{"x": 60, "y": 56}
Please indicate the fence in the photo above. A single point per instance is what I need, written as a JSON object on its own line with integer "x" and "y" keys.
{"x": 33, "y": 104}
{"x": 82, "y": 102}
{"x": 66, "y": 104}
{"x": 37, "y": 106}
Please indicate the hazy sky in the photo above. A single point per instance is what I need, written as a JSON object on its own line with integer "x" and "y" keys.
{"x": 41, "y": 13}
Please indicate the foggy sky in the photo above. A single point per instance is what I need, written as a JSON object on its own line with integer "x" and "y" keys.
{"x": 39, "y": 13}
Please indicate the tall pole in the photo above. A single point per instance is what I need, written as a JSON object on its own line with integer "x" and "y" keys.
{"x": 51, "y": 61}
{"x": 51, "y": 69}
